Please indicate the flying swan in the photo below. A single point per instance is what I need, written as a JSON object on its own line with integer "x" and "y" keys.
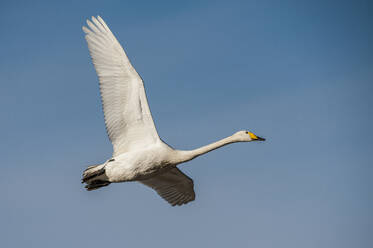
{"x": 138, "y": 152}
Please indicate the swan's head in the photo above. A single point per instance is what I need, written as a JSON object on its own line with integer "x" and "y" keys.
{"x": 246, "y": 136}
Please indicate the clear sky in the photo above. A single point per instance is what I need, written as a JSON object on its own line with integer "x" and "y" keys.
{"x": 299, "y": 73}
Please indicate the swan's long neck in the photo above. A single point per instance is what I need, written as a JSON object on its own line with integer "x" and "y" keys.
{"x": 184, "y": 156}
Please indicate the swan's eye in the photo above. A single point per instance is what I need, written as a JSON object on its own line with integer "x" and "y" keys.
{"x": 247, "y": 132}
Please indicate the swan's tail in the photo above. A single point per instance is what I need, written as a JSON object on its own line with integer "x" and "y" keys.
{"x": 94, "y": 176}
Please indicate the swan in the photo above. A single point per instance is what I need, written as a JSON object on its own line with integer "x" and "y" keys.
{"x": 138, "y": 152}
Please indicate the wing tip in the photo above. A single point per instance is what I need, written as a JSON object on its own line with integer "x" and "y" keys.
{"x": 93, "y": 18}
{"x": 183, "y": 201}
{"x": 85, "y": 29}
{"x": 96, "y": 22}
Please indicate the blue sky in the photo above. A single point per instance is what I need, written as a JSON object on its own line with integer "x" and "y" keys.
{"x": 298, "y": 73}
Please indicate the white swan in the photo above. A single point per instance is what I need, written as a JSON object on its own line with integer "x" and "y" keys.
{"x": 139, "y": 153}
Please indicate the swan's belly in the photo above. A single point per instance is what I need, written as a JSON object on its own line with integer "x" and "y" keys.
{"x": 136, "y": 166}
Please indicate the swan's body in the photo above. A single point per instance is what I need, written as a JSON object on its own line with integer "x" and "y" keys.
{"x": 139, "y": 154}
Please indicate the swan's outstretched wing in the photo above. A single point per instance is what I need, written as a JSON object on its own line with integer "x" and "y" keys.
{"x": 173, "y": 186}
{"x": 128, "y": 120}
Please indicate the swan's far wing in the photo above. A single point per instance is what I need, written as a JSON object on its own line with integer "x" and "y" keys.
{"x": 128, "y": 120}
{"x": 173, "y": 186}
